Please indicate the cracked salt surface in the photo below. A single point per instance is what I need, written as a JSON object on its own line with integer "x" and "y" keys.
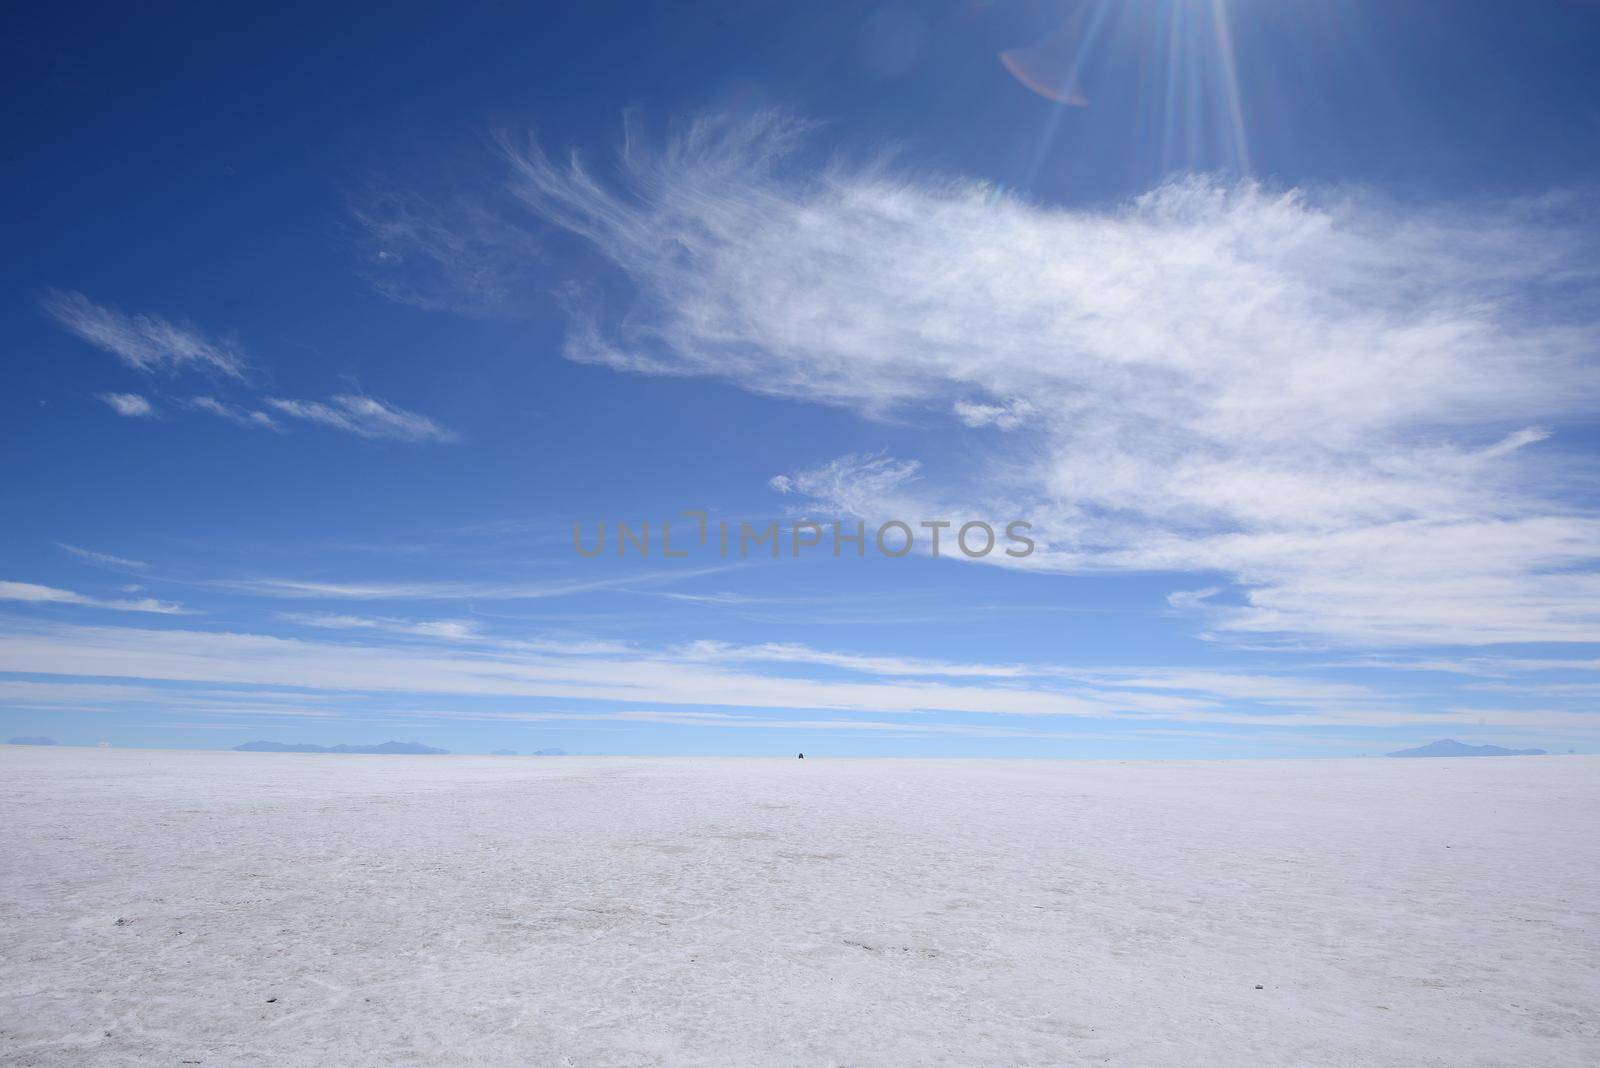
{"x": 279, "y": 909}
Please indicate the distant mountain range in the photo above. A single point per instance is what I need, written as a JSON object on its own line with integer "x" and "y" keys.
{"x": 30, "y": 741}
{"x": 549, "y": 752}
{"x": 397, "y": 748}
{"x": 1449, "y": 747}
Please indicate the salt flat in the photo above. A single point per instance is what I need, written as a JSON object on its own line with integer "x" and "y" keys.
{"x": 231, "y": 908}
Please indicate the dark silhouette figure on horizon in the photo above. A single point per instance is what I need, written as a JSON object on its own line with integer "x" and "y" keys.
{"x": 802, "y": 756}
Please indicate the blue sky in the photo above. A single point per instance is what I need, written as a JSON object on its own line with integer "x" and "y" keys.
{"x": 1276, "y": 321}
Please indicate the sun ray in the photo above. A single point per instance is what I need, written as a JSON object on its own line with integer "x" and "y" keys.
{"x": 1230, "y": 83}
{"x": 1091, "y": 29}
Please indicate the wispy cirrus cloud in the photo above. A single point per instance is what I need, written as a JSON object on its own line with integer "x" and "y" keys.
{"x": 736, "y": 721}
{"x": 131, "y": 405}
{"x": 444, "y": 629}
{"x": 32, "y": 593}
{"x": 461, "y": 255}
{"x": 732, "y": 682}
{"x": 1349, "y": 407}
{"x": 794, "y": 653}
{"x": 233, "y": 413}
{"x": 1274, "y": 687}
{"x": 365, "y": 417}
{"x": 292, "y": 588}
{"x": 256, "y": 659}
{"x": 150, "y": 343}
{"x": 107, "y": 560}
{"x": 78, "y": 696}
{"x": 145, "y": 342}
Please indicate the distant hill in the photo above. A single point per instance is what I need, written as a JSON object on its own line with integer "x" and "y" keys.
{"x": 1449, "y": 747}
{"x": 30, "y": 741}
{"x": 549, "y": 752}
{"x": 397, "y": 748}
{"x": 504, "y": 752}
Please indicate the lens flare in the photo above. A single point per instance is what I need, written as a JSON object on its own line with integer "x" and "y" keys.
{"x": 1050, "y": 67}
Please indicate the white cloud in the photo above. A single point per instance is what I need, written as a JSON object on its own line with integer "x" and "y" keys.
{"x": 365, "y": 417}
{"x": 129, "y": 404}
{"x": 788, "y": 652}
{"x": 32, "y": 593}
{"x": 150, "y": 343}
{"x": 144, "y": 342}
{"x": 450, "y": 591}
{"x": 733, "y": 721}
{"x": 254, "y": 659}
{"x": 445, "y": 629}
{"x": 1344, "y": 405}
{"x": 700, "y": 676}
{"x": 1268, "y": 687}
{"x": 1000, "y": 416}
{"x": 459, "y": 255}
{"x": 116, "y": 563}
{"x": 859, "y": 485}
{"x": 78, "y": 696}
{"x": 233, "y": 413}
